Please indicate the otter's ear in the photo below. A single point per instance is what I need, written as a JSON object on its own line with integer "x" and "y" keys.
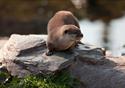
{"x": 66, "y": 31}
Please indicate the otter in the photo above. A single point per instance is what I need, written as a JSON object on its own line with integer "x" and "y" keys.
{"x": 63, "y": 32}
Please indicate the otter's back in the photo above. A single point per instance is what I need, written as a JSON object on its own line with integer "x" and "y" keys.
{"x": 62, "y": 18}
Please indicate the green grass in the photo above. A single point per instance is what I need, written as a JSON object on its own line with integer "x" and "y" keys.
{"x": 61, "y": 80}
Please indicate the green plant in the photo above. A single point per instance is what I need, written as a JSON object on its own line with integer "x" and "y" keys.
{"x": 60, "y": 80}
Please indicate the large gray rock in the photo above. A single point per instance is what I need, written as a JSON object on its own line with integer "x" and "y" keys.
{"x": 25, "y": 54}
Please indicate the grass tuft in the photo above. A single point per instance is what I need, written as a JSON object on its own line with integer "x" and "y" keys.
{"x": 61, "y": 80}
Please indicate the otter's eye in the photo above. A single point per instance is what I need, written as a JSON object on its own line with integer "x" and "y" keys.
{"x": 66, "y": 31}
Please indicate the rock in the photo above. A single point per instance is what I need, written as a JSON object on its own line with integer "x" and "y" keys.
{"x": 89, "y": 53}
{"x": 109, "y": 73}
{"x": 25, "y": 54}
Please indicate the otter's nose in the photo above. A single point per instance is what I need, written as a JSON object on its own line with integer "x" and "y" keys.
{"x": 80, "y": 35}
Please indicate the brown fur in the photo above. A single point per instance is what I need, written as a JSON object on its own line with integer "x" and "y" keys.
{"x": 63, "y": 32}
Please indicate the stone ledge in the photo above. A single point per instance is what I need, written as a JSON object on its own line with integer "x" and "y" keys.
{"x": 25, "y": 54}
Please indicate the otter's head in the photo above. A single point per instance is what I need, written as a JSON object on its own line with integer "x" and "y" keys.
{"x": 72, "y": 32}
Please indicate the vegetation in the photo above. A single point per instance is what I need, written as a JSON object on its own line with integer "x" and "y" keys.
{"x": 61, "y": 80}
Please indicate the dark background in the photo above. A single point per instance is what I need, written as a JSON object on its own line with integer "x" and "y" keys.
{"x": 31, "y": 16}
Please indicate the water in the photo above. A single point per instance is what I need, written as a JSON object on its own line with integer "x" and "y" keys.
{"x": 93, "y": 34}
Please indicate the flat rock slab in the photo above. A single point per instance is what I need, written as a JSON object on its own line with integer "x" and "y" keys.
{"x": 25, "y": 54}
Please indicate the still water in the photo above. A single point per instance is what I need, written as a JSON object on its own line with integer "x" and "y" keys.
{"x": 93, "y": 34}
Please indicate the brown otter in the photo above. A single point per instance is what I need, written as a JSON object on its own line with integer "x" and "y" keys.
{"x": 63, "y": 32}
